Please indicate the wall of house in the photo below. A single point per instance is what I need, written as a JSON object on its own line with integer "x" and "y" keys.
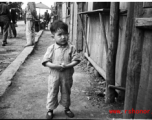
{"x": 96, "y": 41}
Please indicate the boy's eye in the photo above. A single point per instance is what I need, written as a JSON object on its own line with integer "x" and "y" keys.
{"x": 62, "y": 34}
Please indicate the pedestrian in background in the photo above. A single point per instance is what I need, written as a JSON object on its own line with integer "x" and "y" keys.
{"x": 12, "y": 25}
{"x": 5, "y": 19}
{"x": 46, "y": 18}
{"x": 60, "y": 58}
{"x": 14, "y": 16}
{"x": 30, "y": 23}
{"x": 1, "y": 25}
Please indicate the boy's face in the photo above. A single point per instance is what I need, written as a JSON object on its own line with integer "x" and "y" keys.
{"x": 61, "y": 37}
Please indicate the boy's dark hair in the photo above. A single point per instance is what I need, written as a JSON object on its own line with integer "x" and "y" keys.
{"x": 58, "y": 24}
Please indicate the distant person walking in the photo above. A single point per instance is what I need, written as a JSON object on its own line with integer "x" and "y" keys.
{"x": 5, "y": 19}
{"x": 30, "y": 23}
{"x": 46, "y": 17}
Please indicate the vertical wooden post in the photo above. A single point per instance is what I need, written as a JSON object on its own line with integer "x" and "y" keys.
{"x": 80, "y": 39}
{"x": 111, "y": 57}
{"x": 75, "y": 27}
{"x": 71, "y": 21}
{"x": 134, "y": 65}
{"x": 127, "y": 42}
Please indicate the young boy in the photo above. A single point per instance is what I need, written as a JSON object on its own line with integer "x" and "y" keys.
{"x": 60, "y": 57}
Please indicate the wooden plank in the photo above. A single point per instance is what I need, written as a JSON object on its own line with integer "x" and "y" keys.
{"x": 99, "y": 69}
{"x": 145, "y": 23}
{"x": 126, "y": 50}
{"x": 75, "y": 25}
{"x": 79, "y": 40}
{"x": 95, "y": 11}
{"x": 116, "y": 87}
{"x": 134, "y": 65}
{"x": 148, "y": 97}
{"x": 103, "y": 32}
{"x": 71, "y": 22}
{"x": 143, "y": 98}
{"x": 111, "y": 58}
{"x": 147, "y": 4}
{"x": 88, "y": 33}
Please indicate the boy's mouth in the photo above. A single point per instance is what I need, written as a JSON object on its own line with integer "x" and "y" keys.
{"x": 62, "y": 43}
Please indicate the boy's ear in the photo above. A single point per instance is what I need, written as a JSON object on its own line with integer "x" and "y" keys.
{"x": 52, "y": 35}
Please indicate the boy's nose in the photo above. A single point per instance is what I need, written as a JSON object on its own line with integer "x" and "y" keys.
{"x": 63, "y": 36}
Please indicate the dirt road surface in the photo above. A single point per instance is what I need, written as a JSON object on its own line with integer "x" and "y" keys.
{"x": 26, "y": 97}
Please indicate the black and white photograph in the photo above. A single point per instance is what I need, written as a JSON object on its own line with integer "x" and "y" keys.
{"x": 85, "y": 60}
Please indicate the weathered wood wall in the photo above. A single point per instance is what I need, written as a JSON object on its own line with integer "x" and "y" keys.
{"x": 145, "y": 90}
{"x": 95, "y": 40}
{"x": 139, "y": 79}
{"x": 96, "y": 46}
{"x": 120, "y": 50}
{"x": 68, "y": 22}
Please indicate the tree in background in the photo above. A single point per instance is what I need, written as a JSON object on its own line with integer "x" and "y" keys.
{"x": 16, "y": 5}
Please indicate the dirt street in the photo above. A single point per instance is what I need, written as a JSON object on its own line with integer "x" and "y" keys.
{"x": 26, "y": 97}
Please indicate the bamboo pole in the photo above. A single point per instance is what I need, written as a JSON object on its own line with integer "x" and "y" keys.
{"x": 112, "y": 50}
{"x": 103, "y": 33}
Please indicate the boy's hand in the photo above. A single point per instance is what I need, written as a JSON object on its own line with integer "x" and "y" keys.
{"x": 63, "y": 66}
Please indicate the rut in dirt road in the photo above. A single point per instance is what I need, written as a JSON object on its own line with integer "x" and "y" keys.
{"x": 26, "y": 97}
